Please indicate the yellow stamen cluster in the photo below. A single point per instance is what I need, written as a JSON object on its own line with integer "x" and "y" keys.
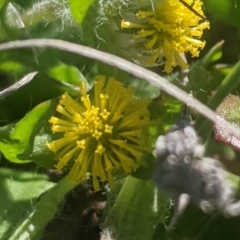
{"x": 100, "y": 136}
{"x": 169, "y": 31}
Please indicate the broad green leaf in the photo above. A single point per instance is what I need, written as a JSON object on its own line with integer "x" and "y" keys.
{"x": 42, "y": 212}
{"x": 79, "y": 8}
{"x": 191, "y": 222}
{"x": 65, "y": 73}
{"x": 19, "y": 191}
{"x": 18, "y": 140}
{"x": 137, "y": 209}
{"x": 27, "y": 128}
{"x": 197, "y": 77}
{"x": 145, "y": 170}
{"x": 8, "y": 147}
{"x": 220, "y": 228}
{"x": 41, "y": 155}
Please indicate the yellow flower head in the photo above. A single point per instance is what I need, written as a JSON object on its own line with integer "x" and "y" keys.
{"x": 100, "y": 136}
{"x": 168, "y": 31}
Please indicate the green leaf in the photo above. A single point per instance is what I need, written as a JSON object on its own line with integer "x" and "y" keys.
{"x": 226, "y": 153}
{"x": 41, "y": 155}
{"x": 194, "y": 224}
{"x": 220, "y": 228}
{"x": 42, "y": 212}
{"x": 144, "y": 89}
{"x": 162, "y": 233}
{"x": 193, "y": 217}
{"x": 12, "y": 66}
{"x": 197, "y": 77}
{"x": 235, "y": 179}
{"x": 229, "y": 84}
{"x": 145, "y": 170}
{"x": 2, "y": 2}
{"x": 137, "y": 209}
{"x": 18, "y": 140}
{"x": 19, "y": 190}
{"x": 65, "y": 73}
{"x": 42, "y": 88}
{"x": 9, "y": 148}
{"x": 79, "y": 8}
{"x": 168, "y": 109}
{"x": 214, "y": 54}
{"x": 228, "y": 11}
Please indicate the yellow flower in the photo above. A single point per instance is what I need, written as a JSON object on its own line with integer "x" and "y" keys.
{"x": 168, "y": 31}
{"x": 100, "y": 135}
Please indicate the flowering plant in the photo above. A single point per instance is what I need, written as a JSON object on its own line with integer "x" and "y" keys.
{"x": 101, "y": 135}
